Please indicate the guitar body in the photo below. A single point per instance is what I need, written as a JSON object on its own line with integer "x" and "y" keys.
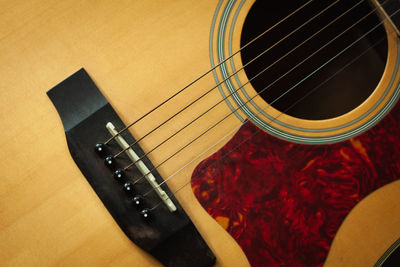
{"x": 139, "y": 53}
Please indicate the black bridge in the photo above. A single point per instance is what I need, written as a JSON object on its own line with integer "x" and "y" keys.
{"x": 169, "y": 236}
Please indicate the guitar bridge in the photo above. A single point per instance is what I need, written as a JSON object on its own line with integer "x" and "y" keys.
{"x": 169, "y": 236}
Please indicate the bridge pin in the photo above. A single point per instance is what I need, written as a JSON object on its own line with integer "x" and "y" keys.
{"x": 145, "y": 213}
{"x": 109, "y": 162}
{"x": 138, "y": 201}
{"x": 128, "y": 187}
{"x": 100, "y": 149}
{"x": 119, "y": 175}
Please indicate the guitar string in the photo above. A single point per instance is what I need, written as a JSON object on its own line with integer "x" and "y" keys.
{"x": 207, "y": 72}
{"x": 258, "y": 74}
{"x": 231, "y": 75}
{"x": 251, "y": 99}
{"x": 304, "y": 60}
{"x": 360, "y": 38}
{"x": 258, "y": 130}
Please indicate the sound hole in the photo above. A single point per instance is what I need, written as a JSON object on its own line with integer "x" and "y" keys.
{"x": 339, "y": 86}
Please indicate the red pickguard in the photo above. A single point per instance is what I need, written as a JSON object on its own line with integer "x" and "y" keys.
{"x": 284, "y": 202}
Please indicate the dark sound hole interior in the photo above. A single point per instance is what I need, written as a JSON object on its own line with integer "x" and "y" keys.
{"x": 339, "y": 86}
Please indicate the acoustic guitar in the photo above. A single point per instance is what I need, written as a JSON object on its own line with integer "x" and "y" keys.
{"x": 271, "y": 130}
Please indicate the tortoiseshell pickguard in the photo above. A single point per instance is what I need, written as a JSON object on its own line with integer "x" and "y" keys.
{"x": 284, "y": 202}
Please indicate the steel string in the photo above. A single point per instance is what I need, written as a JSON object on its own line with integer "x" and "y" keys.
{"x": 247, "y": 82}
{"x": 207, "y": 72}
{"x": 231, "y": 75}
{"x": 253, "y": 134}
{"x": 282, "y": 76}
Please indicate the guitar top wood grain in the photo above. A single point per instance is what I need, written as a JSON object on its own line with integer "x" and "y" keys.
{"x": 138, "y": 53}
